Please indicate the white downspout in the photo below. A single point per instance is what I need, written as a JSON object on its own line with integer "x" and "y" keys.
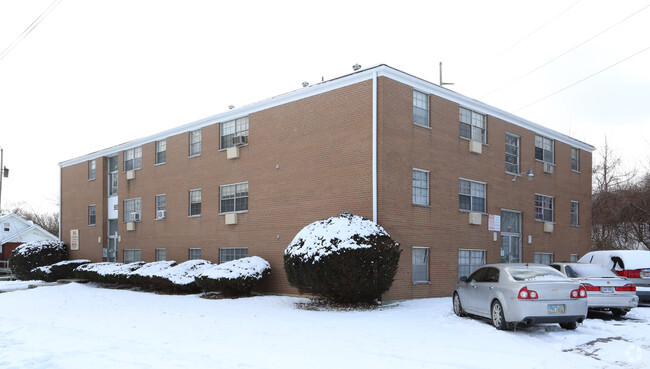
{"x": 374, "y": 147}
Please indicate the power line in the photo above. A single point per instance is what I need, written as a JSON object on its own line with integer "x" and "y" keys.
{"x": 584, "y": 79}
{"x": 29, "y": 29}
{"x": 566, "y": 52}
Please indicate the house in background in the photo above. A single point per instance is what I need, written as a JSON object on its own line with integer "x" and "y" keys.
{"x": 458, "y": 183}
{"x": 14, "y": 231}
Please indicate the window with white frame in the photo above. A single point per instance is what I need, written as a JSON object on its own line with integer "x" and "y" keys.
{"x": 420, "y": 269}
{"x": 92, "y": 169}
{"x": 92, "y": 216}
{"x": 472, "y": 125}
{"x": 469, "y": 261}
{"x": 195, "y": 202}
{"x": 575, "y": 159}
{"x": 420, "y": 108}
{"x": 544, "y": 206}
{"x": 230, "y": 131}
{"x": 543, "y": 258}
{"x": 112, "y": 175}
{"x": 133, "y": 159}
{"x": 512, "y": 153}
{"x": 575, "y": 212}
{"x": 133, "y": 255}
{"x": 234, "y": 197}
{"x": 232, "y": 253}
{"x": 161, "y": 206}
{"x": 195, "y": 254}
{"x": 161, "y": 254}
{"x": 132, "y": 210}
{"x": 472, "y": 195}
{"x": 544, "y": 149}
{"x": 420, "y": 187}
{"x": 6, "y": 227}
{"x": 573, "y": 258}
{"x": 161, "y": 152}
{"x": 195, "y": 143}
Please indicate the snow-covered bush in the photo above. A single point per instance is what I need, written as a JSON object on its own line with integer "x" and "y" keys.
{"x": 343, "y": 259}
{"x": 107, "y": 272}
{"x": 179, "y": 278}
{"x": 61, "y": 270}
{"x": 234, "y": 278}
{"x": 141, "y": 277}
{"x": 35, "y": 254}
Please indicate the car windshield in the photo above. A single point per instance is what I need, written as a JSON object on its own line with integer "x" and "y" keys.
{"x": 532, "y": 273}
{"x": 588, "y": 270}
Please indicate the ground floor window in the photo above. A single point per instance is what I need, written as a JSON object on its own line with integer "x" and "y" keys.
{"x": 92, "y": 215}
{"x": 543, "y": 258}
{"x": 420, "y": 264}
{"x": 195, "y": 254}
{"x": 131, "y": 256}
{"x": 469, "y": 261}
{"x": 232, "y": 253}
{"x": 161, "y": 254}
{"x": 573, "y": 258}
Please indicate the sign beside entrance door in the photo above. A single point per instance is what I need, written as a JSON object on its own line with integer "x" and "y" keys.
{"x": 494, "y": 222}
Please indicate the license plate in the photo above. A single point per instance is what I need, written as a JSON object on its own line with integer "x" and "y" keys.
{"x": 556, "y": 309}
{"x": 606, "y": 289}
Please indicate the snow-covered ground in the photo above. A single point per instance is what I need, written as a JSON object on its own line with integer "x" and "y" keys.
{"x": 84, "y": 326}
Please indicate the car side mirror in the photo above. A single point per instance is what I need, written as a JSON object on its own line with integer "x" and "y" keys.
{"x": 463, "y": 278}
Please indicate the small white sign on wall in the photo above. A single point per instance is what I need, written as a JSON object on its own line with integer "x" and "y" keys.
{"x": 112, "y": 207}
{"x": 494, "y": 222}
{"x": 74, "y": 239}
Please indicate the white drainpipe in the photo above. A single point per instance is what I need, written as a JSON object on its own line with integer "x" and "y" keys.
{"x": 374, "y": 147}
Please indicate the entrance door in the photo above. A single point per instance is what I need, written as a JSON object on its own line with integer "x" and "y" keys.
{"x": 111, "y": 254}
{"x": 510, "y": 236}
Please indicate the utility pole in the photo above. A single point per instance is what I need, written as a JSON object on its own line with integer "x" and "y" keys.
{"x": 442, "y": 84}
{"x": 4, "y": 172}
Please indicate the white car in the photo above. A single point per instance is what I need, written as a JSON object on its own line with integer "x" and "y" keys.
{"x": 631, "y": 264}
{"x": 605, "y": 290}
{"x": 510, "y": 294}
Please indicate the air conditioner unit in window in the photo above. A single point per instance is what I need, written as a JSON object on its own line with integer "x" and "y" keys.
{"x": 130, "y": 174}
{"x": 232, "y": 152}
{"x": 548, "y": 227}
{"x": 548, "y": 168}
{"x": 160, "y": 214}
{"x": 475, "y": 218}
{"x": 475, "y": 147}
{"x": 231, "y": 218}
{"x": 134, "y": 217}
{"x": 239, "y": 140}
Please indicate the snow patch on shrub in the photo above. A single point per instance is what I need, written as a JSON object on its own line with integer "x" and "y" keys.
{"x": 29, "y": 248}
{"x": 183, "y": 273}
{"x": 153, "y": 268}
{"x": 250, "y": 267}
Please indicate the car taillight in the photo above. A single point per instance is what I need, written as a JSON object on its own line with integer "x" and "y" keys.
{"x": 580, "y": 293}
{"x": 526, "y": 294}
{"x": 629, "y": 273}
{"x": 627, "y": 287}
{"x": 589, "y": 287}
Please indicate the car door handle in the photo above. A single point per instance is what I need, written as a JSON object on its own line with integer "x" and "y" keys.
{"x": 491, "y": 287}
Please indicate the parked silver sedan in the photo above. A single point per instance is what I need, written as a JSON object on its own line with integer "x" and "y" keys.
{"x": 510, "y": 294}
{"x": 605, "y": 289}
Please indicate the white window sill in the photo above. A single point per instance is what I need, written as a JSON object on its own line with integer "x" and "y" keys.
{"x": 421, "y": 283}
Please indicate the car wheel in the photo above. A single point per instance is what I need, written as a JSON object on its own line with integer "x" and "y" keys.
{"x": 458, "y": 308}
{"x": 618, "y": 312}
{"x": 569, "y": 326}
{"x": 498, "y": 320}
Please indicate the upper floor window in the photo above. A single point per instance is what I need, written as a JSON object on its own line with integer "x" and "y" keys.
{"x": 575, "y": 159}
{"x": 234, "y": 197}
{"x": 472, "y": 125}
{"x": 195, "y": 202}
{"x": 161, "y": 151}
{"x": 92, "y": 169}
{"x": 161, "y": 206}
{"x": 6, "y": 227}
{"x": 544, "y": 148}
{"x": 420, "y": 108}
{"x": 512, "y": 153}
{"x": 544, "y": 206}
{"x": 234, "y": 132}
{"x": 92, "y": 216}
{"x": 132, "y": 210}
{"x": 575, "y": 212}
{"x": 232, "y": 253}
{"x": 133, "y": 159}
{"x": 472, "y": 196}
{"x": 195, "y": 143}
{"x": 112, "y": 176}
{"x": 420, "y": 187}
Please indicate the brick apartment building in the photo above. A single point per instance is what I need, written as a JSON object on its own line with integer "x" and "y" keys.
{"x": 447, "y": 176}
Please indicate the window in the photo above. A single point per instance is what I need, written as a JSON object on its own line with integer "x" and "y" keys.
{"x": 6, "y": 227}
{"x": 544, "y": 149}
{"x": 91, "y": 215}
{"x": 575, "y": 207}
{"x": 420, "y": 264}
{"x": 234, "y": 197}
{"x": 420, "y": 108}
{"x": 161, "y": 254}
{"x": 472, "y": 196}
{"x": 472, "y": 125}
{"x": 133, "y": 159}
{"x": 234, "y": 253}
{"x": 512, "y": 153}
{"x": 420, "y": 187}
{"x": 161, "y": 151}
{"x": 132, "y": 210}
{"x": 230, "y": 130}
{"x": 543, "y": 258}
{"x": 112, "y": 176}
{"x": 195, "y": 143}
{"x": 195, "y": 202}
{"x": 161, "y": 206}
{"x": 575, "y": 159}
{"x": 131, "y": 256}
{"x": 195, "y": 254}
{"x": 573, "y": 258}
{"x": 469, "y": 261}
{"x": 544, "y": 208}
{"x": 92, "y": 169}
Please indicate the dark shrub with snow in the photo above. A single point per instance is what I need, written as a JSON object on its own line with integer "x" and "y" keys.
{"x": 61, "y": 270}
{"x": 343, "y": 259}
{"x": 35, "y": 254}
{"x": 234, "y": 278}
{"x": 179, "y": 278}
{"x": 107, "y": 272}
{"x": 141, "y": 277}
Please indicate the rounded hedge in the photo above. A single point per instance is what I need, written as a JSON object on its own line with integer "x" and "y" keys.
{"x": 346, "y": 259}
{"x": 35, "y": 254}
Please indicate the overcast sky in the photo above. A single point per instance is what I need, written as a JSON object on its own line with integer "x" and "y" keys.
{"x": 93, "y": 74}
